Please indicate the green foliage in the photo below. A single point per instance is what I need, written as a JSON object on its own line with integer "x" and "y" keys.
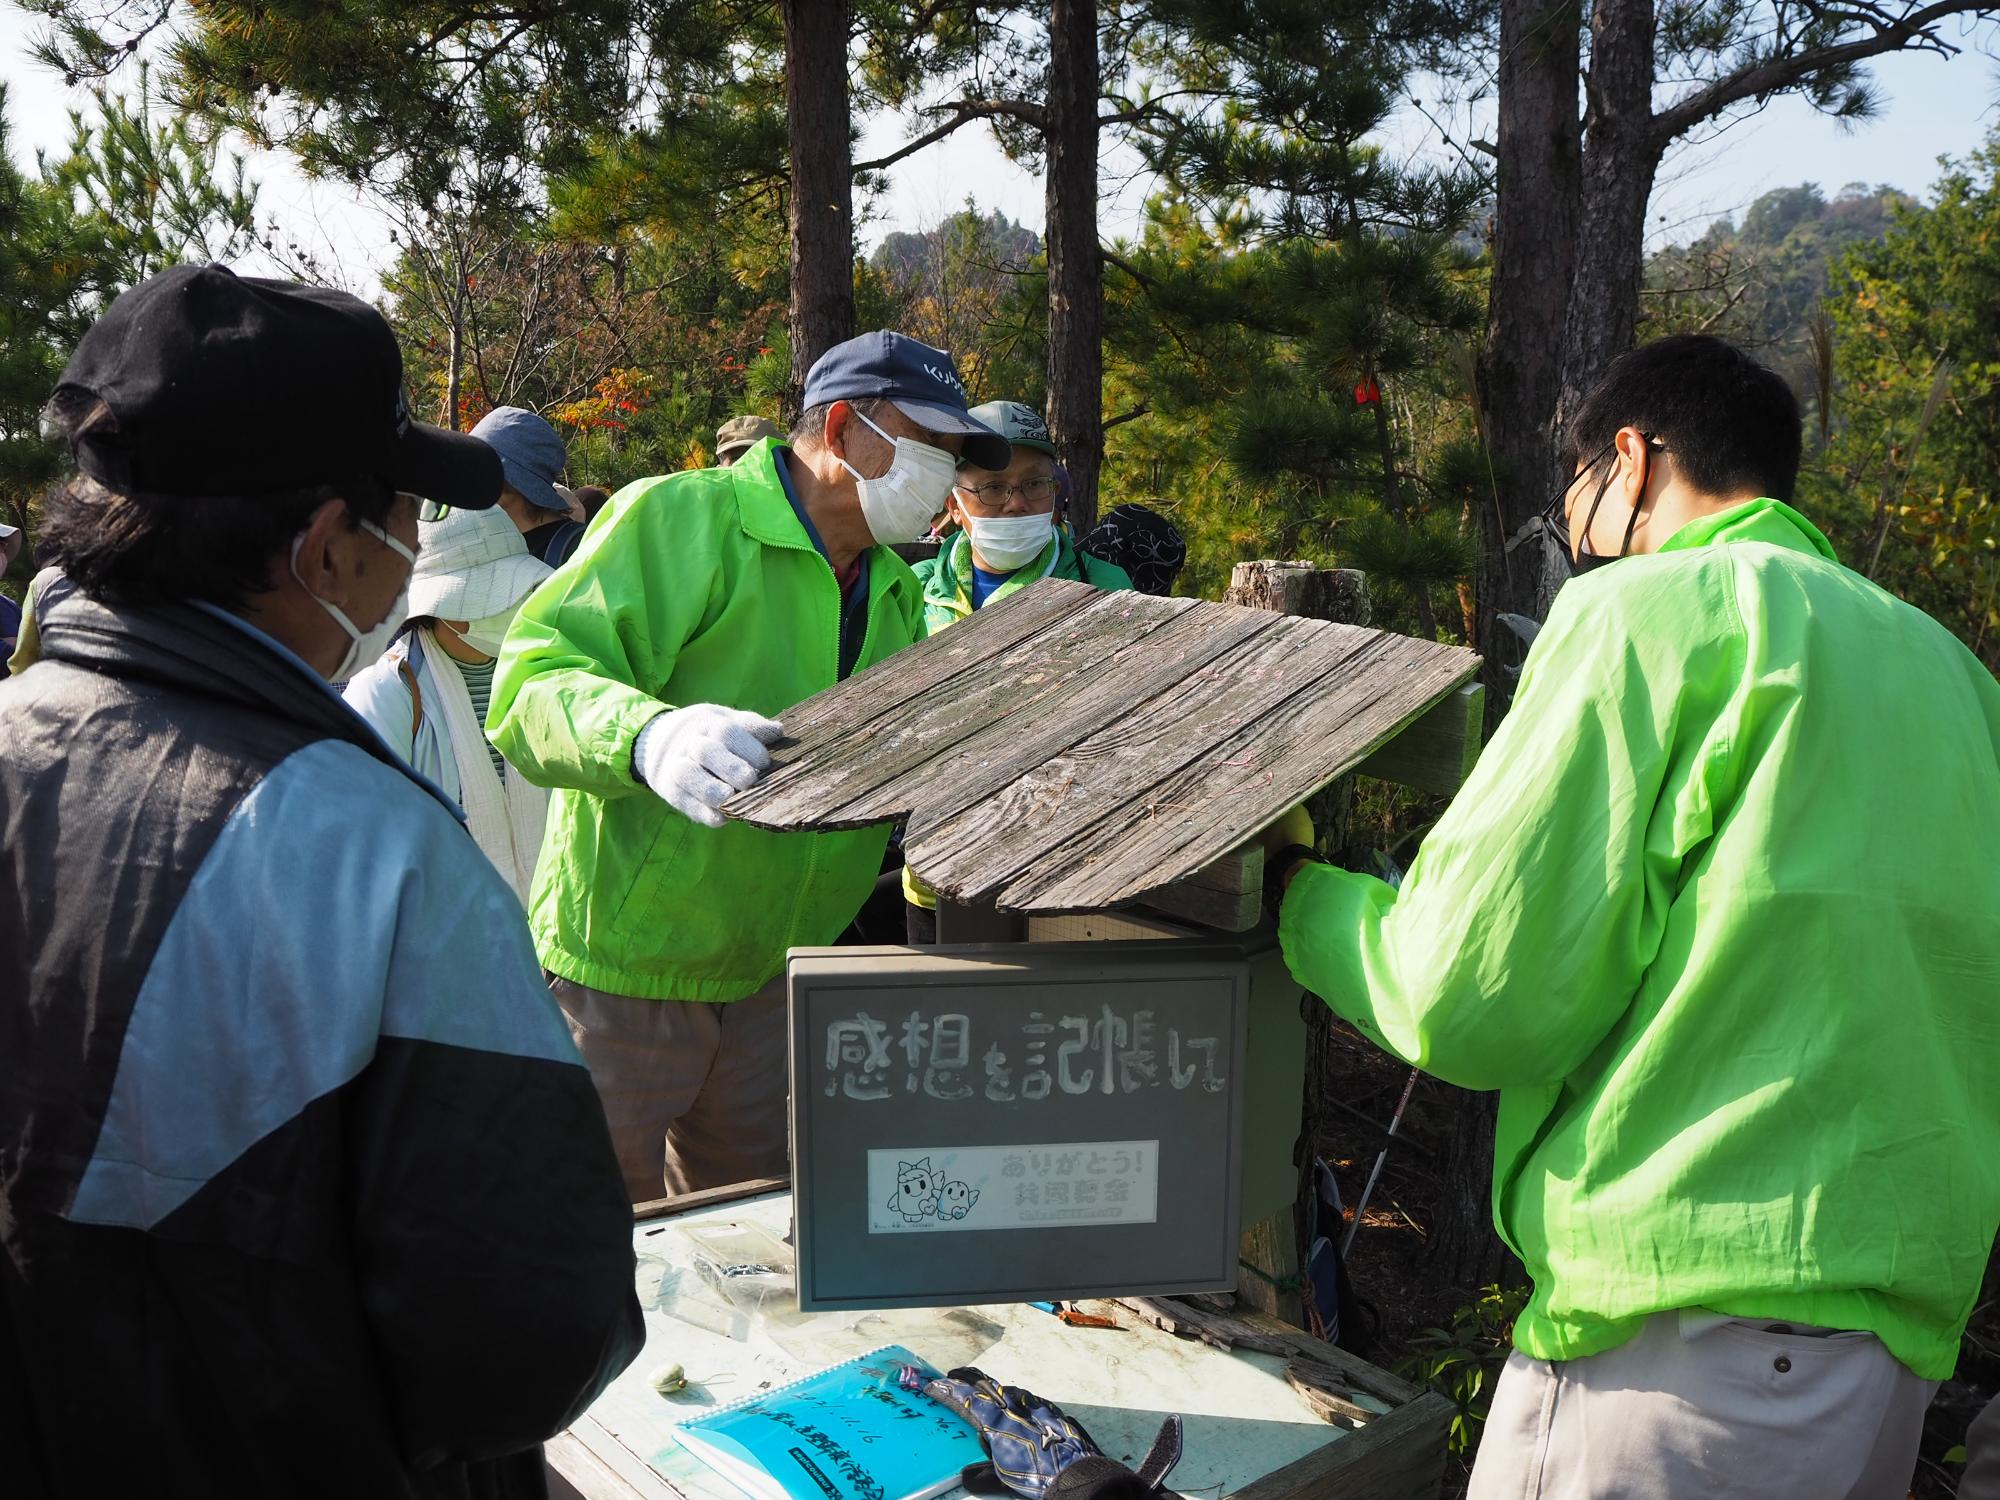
{"x": 1905, "y": 488}
{"x": 160, "y": 194}
{"x": 1462, "y": 1363}
{"x": 131, "y": 198}
{"x": 956, "y": 286}
{"x": 1762, "y": 284}
{"x": 51, "y": 267}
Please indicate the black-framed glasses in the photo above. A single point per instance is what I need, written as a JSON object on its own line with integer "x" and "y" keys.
{"x": 1555, "y": 515}
{"x": 1035, "y": 491}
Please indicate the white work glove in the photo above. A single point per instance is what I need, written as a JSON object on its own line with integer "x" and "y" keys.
{"x": 698, "y": 757}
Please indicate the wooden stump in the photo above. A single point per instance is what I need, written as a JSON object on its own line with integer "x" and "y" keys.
{"x": 1301, "y": 588}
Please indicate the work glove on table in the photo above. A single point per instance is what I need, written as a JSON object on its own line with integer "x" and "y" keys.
{"x": 1035, "y": 1451}
{"x": 698, "y": 757}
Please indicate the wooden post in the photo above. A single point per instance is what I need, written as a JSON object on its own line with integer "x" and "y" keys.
{"x": 1272, "y": 1246}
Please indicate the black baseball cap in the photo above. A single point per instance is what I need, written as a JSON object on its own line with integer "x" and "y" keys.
{"x": 219, "y": 384}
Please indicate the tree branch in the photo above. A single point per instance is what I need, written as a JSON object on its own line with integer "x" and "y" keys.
{"x": 964, "y": 112}
{"x": 1892, "y": 35}
{"x": 1126, "y": 266}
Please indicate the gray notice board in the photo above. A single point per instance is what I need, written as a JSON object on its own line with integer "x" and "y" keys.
{"x": 1016, "y": 1122}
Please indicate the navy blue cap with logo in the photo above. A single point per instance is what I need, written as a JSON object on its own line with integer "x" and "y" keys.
{"x": 920, "y": 382}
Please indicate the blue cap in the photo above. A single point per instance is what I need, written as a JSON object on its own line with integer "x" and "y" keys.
{"x": 531, "y": 452}
{"x": 920, "y": 382}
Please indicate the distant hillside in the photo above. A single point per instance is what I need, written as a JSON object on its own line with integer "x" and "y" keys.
{"x": 994, "y": 238}
{"x": 1761, "y": 281}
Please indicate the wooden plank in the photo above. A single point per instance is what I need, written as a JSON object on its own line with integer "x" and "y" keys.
{"x": 879, "y": 693}
{"x": 1322, "y": 1391}
{"x": 575, "y": 1473}
{"x": 1003, "y": 749}
{"x": 730, "y": 1192}
{"x": 959, "y": 924}
{"x": 1352, "y": 1368}
{"x": 1226, "y": 894}
{"x": 904, "y": 746}
{"x": 1217, "y": 1330}
{"x": 1094, "y": 749}
{"x": 1288, "y": 748}
{"x": 1436, "y": 752}
{"x": 982, "y": 850}
{"x": 1397, "y": 1457}
{"x": 1270, "y": 1246}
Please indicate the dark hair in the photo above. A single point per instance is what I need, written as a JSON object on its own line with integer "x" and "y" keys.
{"x": 810, "y": 429}
{"x": 592, "y": 498}
{"x": 1727, "y": 423}
{"x": 157, "y": 549}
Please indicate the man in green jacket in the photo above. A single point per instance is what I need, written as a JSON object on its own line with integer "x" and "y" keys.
{"x": 1718, "y": 914}
{"x": 1009, "y": 534}
{"x": 643, "y": 682}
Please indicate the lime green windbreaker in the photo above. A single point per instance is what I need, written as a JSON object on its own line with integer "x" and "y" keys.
{"x": 947, "y": 581}
{"x": 1718, "y": 914}
{"x": 700, "y": 587}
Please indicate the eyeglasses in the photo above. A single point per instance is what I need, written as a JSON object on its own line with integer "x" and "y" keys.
{"x": 1555, "y": 515}
{"x": 432, "y": 510}
{"x": 1037, "y": 492}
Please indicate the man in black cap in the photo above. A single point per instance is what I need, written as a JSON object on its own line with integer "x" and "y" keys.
{"x": 302, "y": 1181}
{"x": 643, "y": 681}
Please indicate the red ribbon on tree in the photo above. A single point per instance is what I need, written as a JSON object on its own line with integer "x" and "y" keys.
{"x": 1368, "y": 393}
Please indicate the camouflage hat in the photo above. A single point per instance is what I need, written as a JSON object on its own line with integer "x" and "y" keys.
{"x": 745, "y": 432}
{"x": 1020, "y": 425}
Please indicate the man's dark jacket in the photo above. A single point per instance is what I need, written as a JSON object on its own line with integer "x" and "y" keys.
{"x": 303, "y": 1189}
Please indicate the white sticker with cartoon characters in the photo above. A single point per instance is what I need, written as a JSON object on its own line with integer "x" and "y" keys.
{"x": 923, "y": 1189}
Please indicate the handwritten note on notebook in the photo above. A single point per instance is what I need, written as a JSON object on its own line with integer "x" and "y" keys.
{"x": 848, "y": 1432}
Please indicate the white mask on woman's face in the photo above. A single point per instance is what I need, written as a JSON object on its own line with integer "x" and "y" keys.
{"x": 489, "y": 633}
{"x": 898, "y": 505}
{"x": 363, "y": 646}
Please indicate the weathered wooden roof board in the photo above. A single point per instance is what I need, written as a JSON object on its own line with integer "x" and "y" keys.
{"x": 1067, "y": 749}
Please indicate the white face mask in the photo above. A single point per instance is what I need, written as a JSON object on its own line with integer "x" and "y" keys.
{"x": 488, "y": 634}
{"x": 363, "y": 646}
{"x": 1010, "y": 542}
{"x": 898, "y": 505}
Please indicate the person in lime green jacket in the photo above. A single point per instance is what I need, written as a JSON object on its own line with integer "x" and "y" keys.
{"x": 1718, "y": 914}
{"x": 1009, "y": 533}
{"x": 645, "y": 681}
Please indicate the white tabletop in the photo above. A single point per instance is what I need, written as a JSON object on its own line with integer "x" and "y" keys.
{"x": 1242, "y": 1420}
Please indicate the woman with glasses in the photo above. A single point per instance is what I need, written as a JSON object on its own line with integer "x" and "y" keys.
{"x": 1008, "y": 534}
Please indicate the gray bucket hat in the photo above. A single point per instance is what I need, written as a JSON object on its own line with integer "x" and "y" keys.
{"x": 531, "y": 452}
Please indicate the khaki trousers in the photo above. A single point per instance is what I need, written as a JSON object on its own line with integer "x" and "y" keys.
{"x": 1698, "y": 1405}
{"x": 694, "y": 1091}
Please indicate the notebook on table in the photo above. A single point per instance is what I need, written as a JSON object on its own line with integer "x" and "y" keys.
{"x": 848, "y": 1432}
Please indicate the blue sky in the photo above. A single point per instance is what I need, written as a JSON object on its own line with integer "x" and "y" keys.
{"x": 1932, "y": 107}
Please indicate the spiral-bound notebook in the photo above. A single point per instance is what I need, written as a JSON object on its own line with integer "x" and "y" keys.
{"x": 848, "y": 1432}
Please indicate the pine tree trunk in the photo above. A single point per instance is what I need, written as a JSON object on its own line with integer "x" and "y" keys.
{"x": 1540, "y": 164}
{"x": 1621, "y": 156}
{"x": 454, "y": 365}
{"x": 822, "y": 226}
{"x": 1076, "y": 307}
